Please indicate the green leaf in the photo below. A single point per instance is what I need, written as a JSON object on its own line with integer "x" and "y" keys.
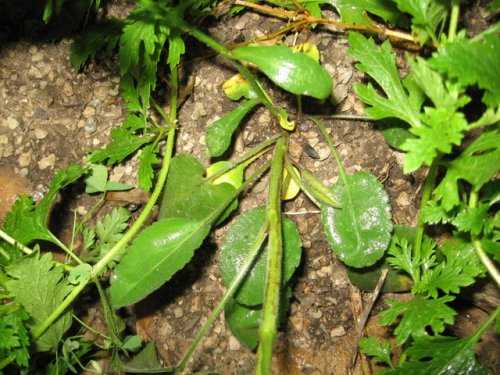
{"x": 292, "y": 71}
{"x": 80, "y": 274}
{"x": 473, "y": 62}
{"x": 401, "y": 257}
{"x": 355, "y": 11}
{"x": 157, "y": 253}
{"x": 459, "y": 269}
{"x": 14, "y": 337}
{"x": 146, "y": 173}
{"x": 444, "y": 94}
{"x": 379, "y": 351}
{"x": 426, "y": 16}
{"x": 366, "y": 278}
{"x": 441, "y": 130}
{"x": 359, "y": 232}
{"x": 124, "y": 144}
{"x": 418, "y": 314}
{"x": 238, "y": 87}
{"x": 27, "y": 222}
{"x": 395, "y": 131}
{"x": 472, "y": 220}
{"x": 176, "y": 49}
{"x": 138, "y": 40}
{"x": 188, "y": 195}
{"x": 403, "y": 102}
{"x": 443, "y": 355}
{"x": 238, "y": 242}
{"x": 146, "y": 361}
{"x": 98, "y": 37}
{"x": 219, "y": 132}
{"x": 476, "y": 165}
{"x": 40, "y": 288}
{"x": 98, "y": 182}
{"x": 244, "y": 322}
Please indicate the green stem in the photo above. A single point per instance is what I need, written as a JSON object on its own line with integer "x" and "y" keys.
{"x": 426, "y": 194}
{"x": 13, "y": 242}
{"x": 268, "y": 328}
{"x": 136, "y": 226}
{"x": 490, "y": 266}
{"x": 248, "y": 157}
{"x": 329, "y": 141}
{"x": 455, "y": 12}
{"x": 173, "y": 19}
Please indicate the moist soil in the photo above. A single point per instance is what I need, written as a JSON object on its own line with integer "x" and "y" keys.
{"x": 50, "y": 116}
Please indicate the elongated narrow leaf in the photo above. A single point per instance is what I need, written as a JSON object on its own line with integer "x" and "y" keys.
{"x": 292, "y": 71}
{"x": 219, "y": 132}
{"x": 154, "y": 257}
{"x": 237, "y": 244}
{"x": 188, "y": 195}
{"x": 360, "y": 231}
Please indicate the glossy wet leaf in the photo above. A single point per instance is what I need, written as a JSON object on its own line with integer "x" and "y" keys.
{"x": 295, "y": 72}
{"x": 188, "y": 195}
{"x": 219, "y": 132}
{"x": 235, "y": 248}
{"x": 157, "y": 253}
{"x": 359, "y": 232}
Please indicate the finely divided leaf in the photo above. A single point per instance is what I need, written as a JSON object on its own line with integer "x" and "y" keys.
{"x": 443, "y": 355}
{"x": 441, "y": 130}
{"x": 14, "y": 337}
{"x": 238, "y": 242}
{"x": 124, "y": 143}
{"x": 40, "y": 288}
{"x": 27, "y": 222}
{"x": 157, "y": 253}
{"x": 380, "y": 64}
{"x": 426, "y": 16}
{"x": 103, "y": 36}
{"x": 219, "y": 132}
{"x": 355, "y": 11}
{"x": 418, "y": 315}
{"x": 476, "y": 165}
{"x": 146, "y": 173}
{"x": 473, "y": 62}
{"x": 459, "y": 269}
{"x": 295, "y": 72}
{"x": 359, "y": 232}
{"x": 379, "y": 351}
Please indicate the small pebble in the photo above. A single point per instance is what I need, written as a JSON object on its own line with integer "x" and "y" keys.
{"x": 46, "y": 162}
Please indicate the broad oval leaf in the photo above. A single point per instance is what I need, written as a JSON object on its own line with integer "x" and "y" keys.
{"x": 157, "y": 253}
{"x": 219, "y": 132}
{"x": 359, "y": 232}
{"x": 237, "y": 244}
{"x": 295, "y": 72}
